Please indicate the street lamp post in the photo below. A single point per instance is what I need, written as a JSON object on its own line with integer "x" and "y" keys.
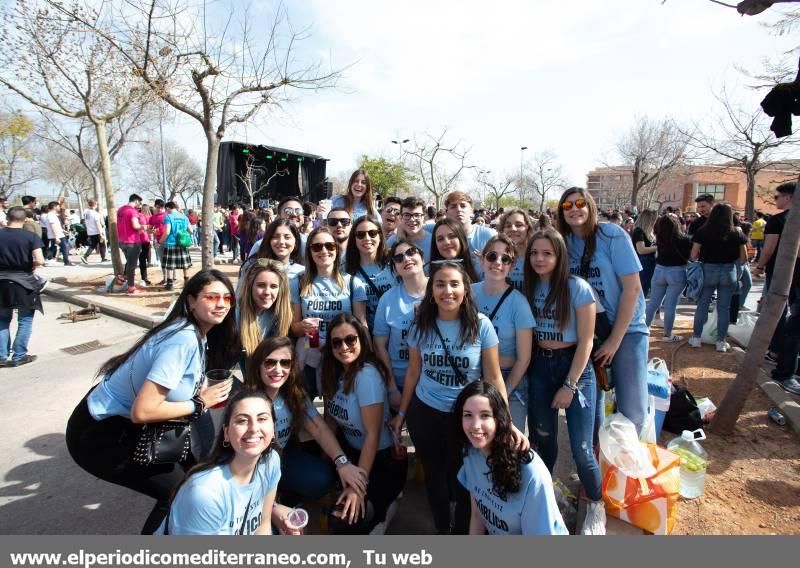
{"x": 521, "y": 161}
{"x": 400, "y": 144}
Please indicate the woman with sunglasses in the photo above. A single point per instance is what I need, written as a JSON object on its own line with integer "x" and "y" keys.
{"x": 365, "y": 261}
{"x": 160, "y": 378}
{"x": 263, "y": 304}
{"x": 450, "y": 243}
{"x": 561, "y": 376}
{"x": 233, "y": 490}
{"x": 450, "y": 344}
{"x": 320, "y": 294}
{"x": 358, "y": 201}
{"x": 603, "y": 254}
{"x": 511, "y": 316}
{"x": 354, "y": 385}
{"x": 517, "y": 226}
{"x": 282, "y": 244}
{"x": 305, "y": 473}
{"x": 511, "y": 491}
{"x": 397, "y": 310}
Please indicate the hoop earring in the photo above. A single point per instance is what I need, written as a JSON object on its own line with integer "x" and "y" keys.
{"x": 226, "y": 444}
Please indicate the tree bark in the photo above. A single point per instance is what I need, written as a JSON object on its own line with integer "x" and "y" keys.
{"x": 732, "y": 404}
{"x": 209, "y": 188}
{"x": 108, "y": 187}
{"x": 750, "y": 198}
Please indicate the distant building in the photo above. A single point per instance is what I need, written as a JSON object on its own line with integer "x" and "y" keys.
{"x": 611, "y": 187}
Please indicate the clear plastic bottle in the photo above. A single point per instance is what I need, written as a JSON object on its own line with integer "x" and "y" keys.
{"x": 694, "y": 462}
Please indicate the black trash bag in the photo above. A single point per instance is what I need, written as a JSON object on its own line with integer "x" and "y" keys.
{"x": 683, "y": 413}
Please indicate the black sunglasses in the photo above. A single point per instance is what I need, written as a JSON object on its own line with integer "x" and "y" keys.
{"x": 410, "y": 252}
{"x": 317, "y": 247}
{"x": 272, "y": 363}
{"x": 350, "y": 341}
{"x": 371, "y": 232}
{"x": 492, "y": 256}
{"x": 344, "y": 222}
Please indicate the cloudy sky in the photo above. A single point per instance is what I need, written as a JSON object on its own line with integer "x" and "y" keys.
{"x": 563, "y": 75}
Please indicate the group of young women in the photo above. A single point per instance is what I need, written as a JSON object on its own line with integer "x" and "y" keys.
{"x": 385, "y": 339}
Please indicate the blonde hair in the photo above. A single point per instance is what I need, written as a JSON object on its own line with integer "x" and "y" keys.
{"x": 455, "y": 196}
{"x": 249, "y": 327}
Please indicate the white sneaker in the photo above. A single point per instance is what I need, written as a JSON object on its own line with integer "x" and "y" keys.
{"x": 673, "y": 338}
{"x": 723, "y": 346}
{"x": 595, "y": 521}
{"x": 695, "y": 342}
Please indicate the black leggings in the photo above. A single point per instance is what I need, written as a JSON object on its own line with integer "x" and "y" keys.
{"x": 434, "y": 435}
{"x": 386, "y": 480}
{"x": 103, "y": 447}
{"x": 144, "y": 257}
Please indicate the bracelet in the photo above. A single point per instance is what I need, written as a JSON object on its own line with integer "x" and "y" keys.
{"x": 570, "y": 386}
{"x": 199, "y": 407}
{"x": 401, "y": 413}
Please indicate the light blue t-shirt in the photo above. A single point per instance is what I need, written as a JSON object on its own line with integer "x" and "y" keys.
{"x": 438, "y": 385}
{"x": 326, "y": 300}
{"x": 396, "y": 312}
{"x": 476, "y": 240}
{"x": 257, "y": 245}
{"x": 176, "y": 222}
{"x": 345, "y": 409}
{"x": 213, "y": 503}
{"x": 547, "y": 329}
{"x": 284, "y": 417}
{"x": 516, "y": 276}
{"x": 530, "y": 511}
{"x": 424, "y": 245}
{"x": 614, "y": 256}
{"x": 359, "y": 209}
{"x": 514, "y": 313}
{"x": 382, "y": 279}
{"x": 173, "y": 358}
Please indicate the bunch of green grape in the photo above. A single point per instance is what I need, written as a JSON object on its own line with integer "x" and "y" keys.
{"x": 690, "y": 460}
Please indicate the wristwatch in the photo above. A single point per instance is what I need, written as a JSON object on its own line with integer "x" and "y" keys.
{"x": 341, "y": 460}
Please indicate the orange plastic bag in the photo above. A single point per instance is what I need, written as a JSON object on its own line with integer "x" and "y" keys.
{"x": 650, "y": 504}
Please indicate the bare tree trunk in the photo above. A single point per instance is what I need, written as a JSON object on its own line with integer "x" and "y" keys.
{"x": 209, "y": 187}
{"x": 108, "y": 187}
{"x": 750, "y": 197}
{"x": 731, "y": 406}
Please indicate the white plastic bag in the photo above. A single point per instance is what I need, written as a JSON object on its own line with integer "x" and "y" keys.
{"x": 744, "y": 329}
{"x": 658, "y": 378}
{"x": 710, "y": 329}
{"x": 620, "y": 446}
{"x": 649, "y": 429}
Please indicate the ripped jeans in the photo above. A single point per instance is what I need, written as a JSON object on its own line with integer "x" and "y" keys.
{"x": 545, "y": 376}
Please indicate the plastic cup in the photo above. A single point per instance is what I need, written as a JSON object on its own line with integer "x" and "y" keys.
{"x": 297, "y": 519}
{"x": 215, "y": 377}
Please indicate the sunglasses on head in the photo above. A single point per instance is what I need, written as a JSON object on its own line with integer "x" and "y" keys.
{"x": 371, "y": 232}
{"x": 350, "y": 341}
{"x": 317, "y": 247}
{"x": 293, "y": 210}
{"x": 272, "y": 363}
{"x": 492, "y": 256}
{"x": 409, "y": 253}
{"x": 580, "y": 203}
{"x": 344, "y": 221}
{"x": 214, "y": 299}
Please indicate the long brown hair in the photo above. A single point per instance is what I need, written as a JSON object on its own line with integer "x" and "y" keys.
{"x": 249, "y": 328}
{"x": 292, "y": 390}
{"x": 265, "y": 250}
{"x": 332, "y": 368}
{"x": 558, "y": 297}
{"x": 367, "y": 200}
{"x": 592, "y": 226}
{"x": 464, "y": 254}
{"x": 501, "y": 223}
{"x": 307, "y": 279}
{"x": 429, "y": 310}
{"x": 352, "y": 259}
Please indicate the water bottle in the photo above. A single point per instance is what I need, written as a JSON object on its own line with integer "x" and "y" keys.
{"x": 694, "y": 462}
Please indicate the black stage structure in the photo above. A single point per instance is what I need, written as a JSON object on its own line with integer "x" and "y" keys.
{"x": 274, "y": 173}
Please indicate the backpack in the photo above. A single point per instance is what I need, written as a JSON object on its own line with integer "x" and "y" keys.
{"x": 183, "y": 238}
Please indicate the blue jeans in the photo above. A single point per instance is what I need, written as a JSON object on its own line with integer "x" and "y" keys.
{"x": 304, "y": 473}
{"x": 545, "y": 376}
{"x": 667, "y": 284}
{"x": 646, "y": 273}
{"x": 629, "y": 378}
{"x": 24, "y": 329}
{"x": 722, "y": 279}
{"x": 518, "y": 401}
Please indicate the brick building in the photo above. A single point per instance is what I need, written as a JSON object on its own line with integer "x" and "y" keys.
{"x": 610, "y": 187}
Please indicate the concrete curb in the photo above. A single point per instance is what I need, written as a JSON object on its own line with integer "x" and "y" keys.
{"x": 785, "y": 402}
{"x": 111, "y": 306}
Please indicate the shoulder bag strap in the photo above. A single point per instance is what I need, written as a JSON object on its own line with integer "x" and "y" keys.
{"x": 369, "y": 281}
{"x": 500, "y": 303}
{"x": 456, "y": 370}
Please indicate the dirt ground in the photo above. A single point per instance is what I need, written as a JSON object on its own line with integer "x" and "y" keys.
{"x": 753, "y": 479}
